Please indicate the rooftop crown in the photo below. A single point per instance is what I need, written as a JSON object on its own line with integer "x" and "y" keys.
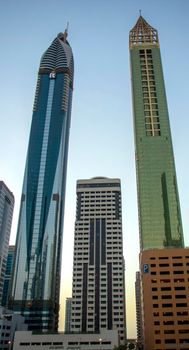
{"x": 142, "y": 33}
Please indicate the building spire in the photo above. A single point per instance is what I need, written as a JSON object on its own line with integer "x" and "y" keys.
{"x": 65, "y": 34}
{"x": 142, "y": 33}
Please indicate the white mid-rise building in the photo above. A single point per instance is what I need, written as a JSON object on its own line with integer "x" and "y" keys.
{"x": 98, "y": 291}
{"x": 106, "y": 340}
{"x": 9, "y": 323}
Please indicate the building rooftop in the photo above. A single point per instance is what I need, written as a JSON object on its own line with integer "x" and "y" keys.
{"x": 142, "y": 33}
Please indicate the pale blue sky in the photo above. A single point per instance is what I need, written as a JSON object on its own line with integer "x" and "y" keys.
{"x": 101, "y": 139}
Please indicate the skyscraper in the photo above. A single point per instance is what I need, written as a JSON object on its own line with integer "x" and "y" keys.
{"x": 98, "y": 291}
{"x": 8, "y": 275}
{"x": 36, "y": 282}
{"x": 158, "y": 201}
{"x": 6, "y": 213}
{"x": 163, "y": 302}
{"x": 68, "y": 311}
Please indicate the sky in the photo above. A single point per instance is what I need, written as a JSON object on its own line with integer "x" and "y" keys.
{"x": 101, "y": 138}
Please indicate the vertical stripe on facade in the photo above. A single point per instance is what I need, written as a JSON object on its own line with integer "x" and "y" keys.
{"x": 103, "y": 241}
{"x": 97, "y": 275}
{"x": 91, "y": 246}
{"x": 109, "y": 274}
{"x": 36, "y": 226}
{"x": 84, "y": 298}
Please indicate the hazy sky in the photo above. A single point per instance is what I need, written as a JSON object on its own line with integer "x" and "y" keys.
{"x": 101, "y": 139}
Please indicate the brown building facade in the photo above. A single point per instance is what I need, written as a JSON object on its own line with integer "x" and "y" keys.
{"x": 165, "y": 298}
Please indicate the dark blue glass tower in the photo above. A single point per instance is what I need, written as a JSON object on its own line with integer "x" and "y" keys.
{"x": 36, "y": 280}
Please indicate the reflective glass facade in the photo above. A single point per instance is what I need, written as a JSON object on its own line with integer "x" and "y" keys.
{"x": 158, "y": 201}
{"x": 8, "y": 275}
{"x": 36, "y": 282}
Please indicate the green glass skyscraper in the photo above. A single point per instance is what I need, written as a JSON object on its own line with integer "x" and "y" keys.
{"x": 36, "y": 278}
{"x": 158, "y": 201}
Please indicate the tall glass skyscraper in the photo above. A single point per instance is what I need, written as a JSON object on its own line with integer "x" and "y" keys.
{"x": 158, "y": 200}
{"x": 36, "y": 280}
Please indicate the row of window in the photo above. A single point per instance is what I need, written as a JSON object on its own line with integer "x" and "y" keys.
{"x": 39, "y": 343}
{"x": 150, "y": 101}
{"x": 170, "y": 313}
{"x": 174, "y": 272}
{"x": 166, "y": 280}
{"x": 97, "y": 194}
{"x": 171, "y": 323}
{"x": 173, "y": 331}
{"x": 172, "y": 341}
{"x": 163, "y": 289}
{"x": 168, "y": 305}
{"x": 168, "y": 265}
{"x": 166, "y": 257}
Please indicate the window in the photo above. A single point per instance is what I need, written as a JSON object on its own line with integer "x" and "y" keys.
{"x": 167, "y": 305}
{"x": 183, "y": 331}
{"x": 177, "y": 272}
{"x": 169, "y": 331}
{"x": 181, "y": 322}
{"x": 177, "y": 264}
{"x": 164, "y": 280}
{"x": 166, "y": 296}
{"x": 182, "y": 313}
{"x": 170, "y": 341}
{"x": 168, "y": 323}
{"x": 180, "y": 296}
{"x": 156, "y": 314}
{"x": 180, "y": 288}
{"x": 165, "y": 289}
{"x": 155, "y": 305}
{"x": 181, "y": 304}
{"x": 179, "y": 280}
{"x": 168, "y": 313}
{"x": 183, "y": 341}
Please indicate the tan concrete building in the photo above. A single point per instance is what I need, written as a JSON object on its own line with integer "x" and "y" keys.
{"x": 165, "y": 298}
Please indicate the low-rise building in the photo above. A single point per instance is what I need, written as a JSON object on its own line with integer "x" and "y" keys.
{"x": 165, "y": 298}
{"x": 9, "y": 323}
{"x": 29, "y": 340}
